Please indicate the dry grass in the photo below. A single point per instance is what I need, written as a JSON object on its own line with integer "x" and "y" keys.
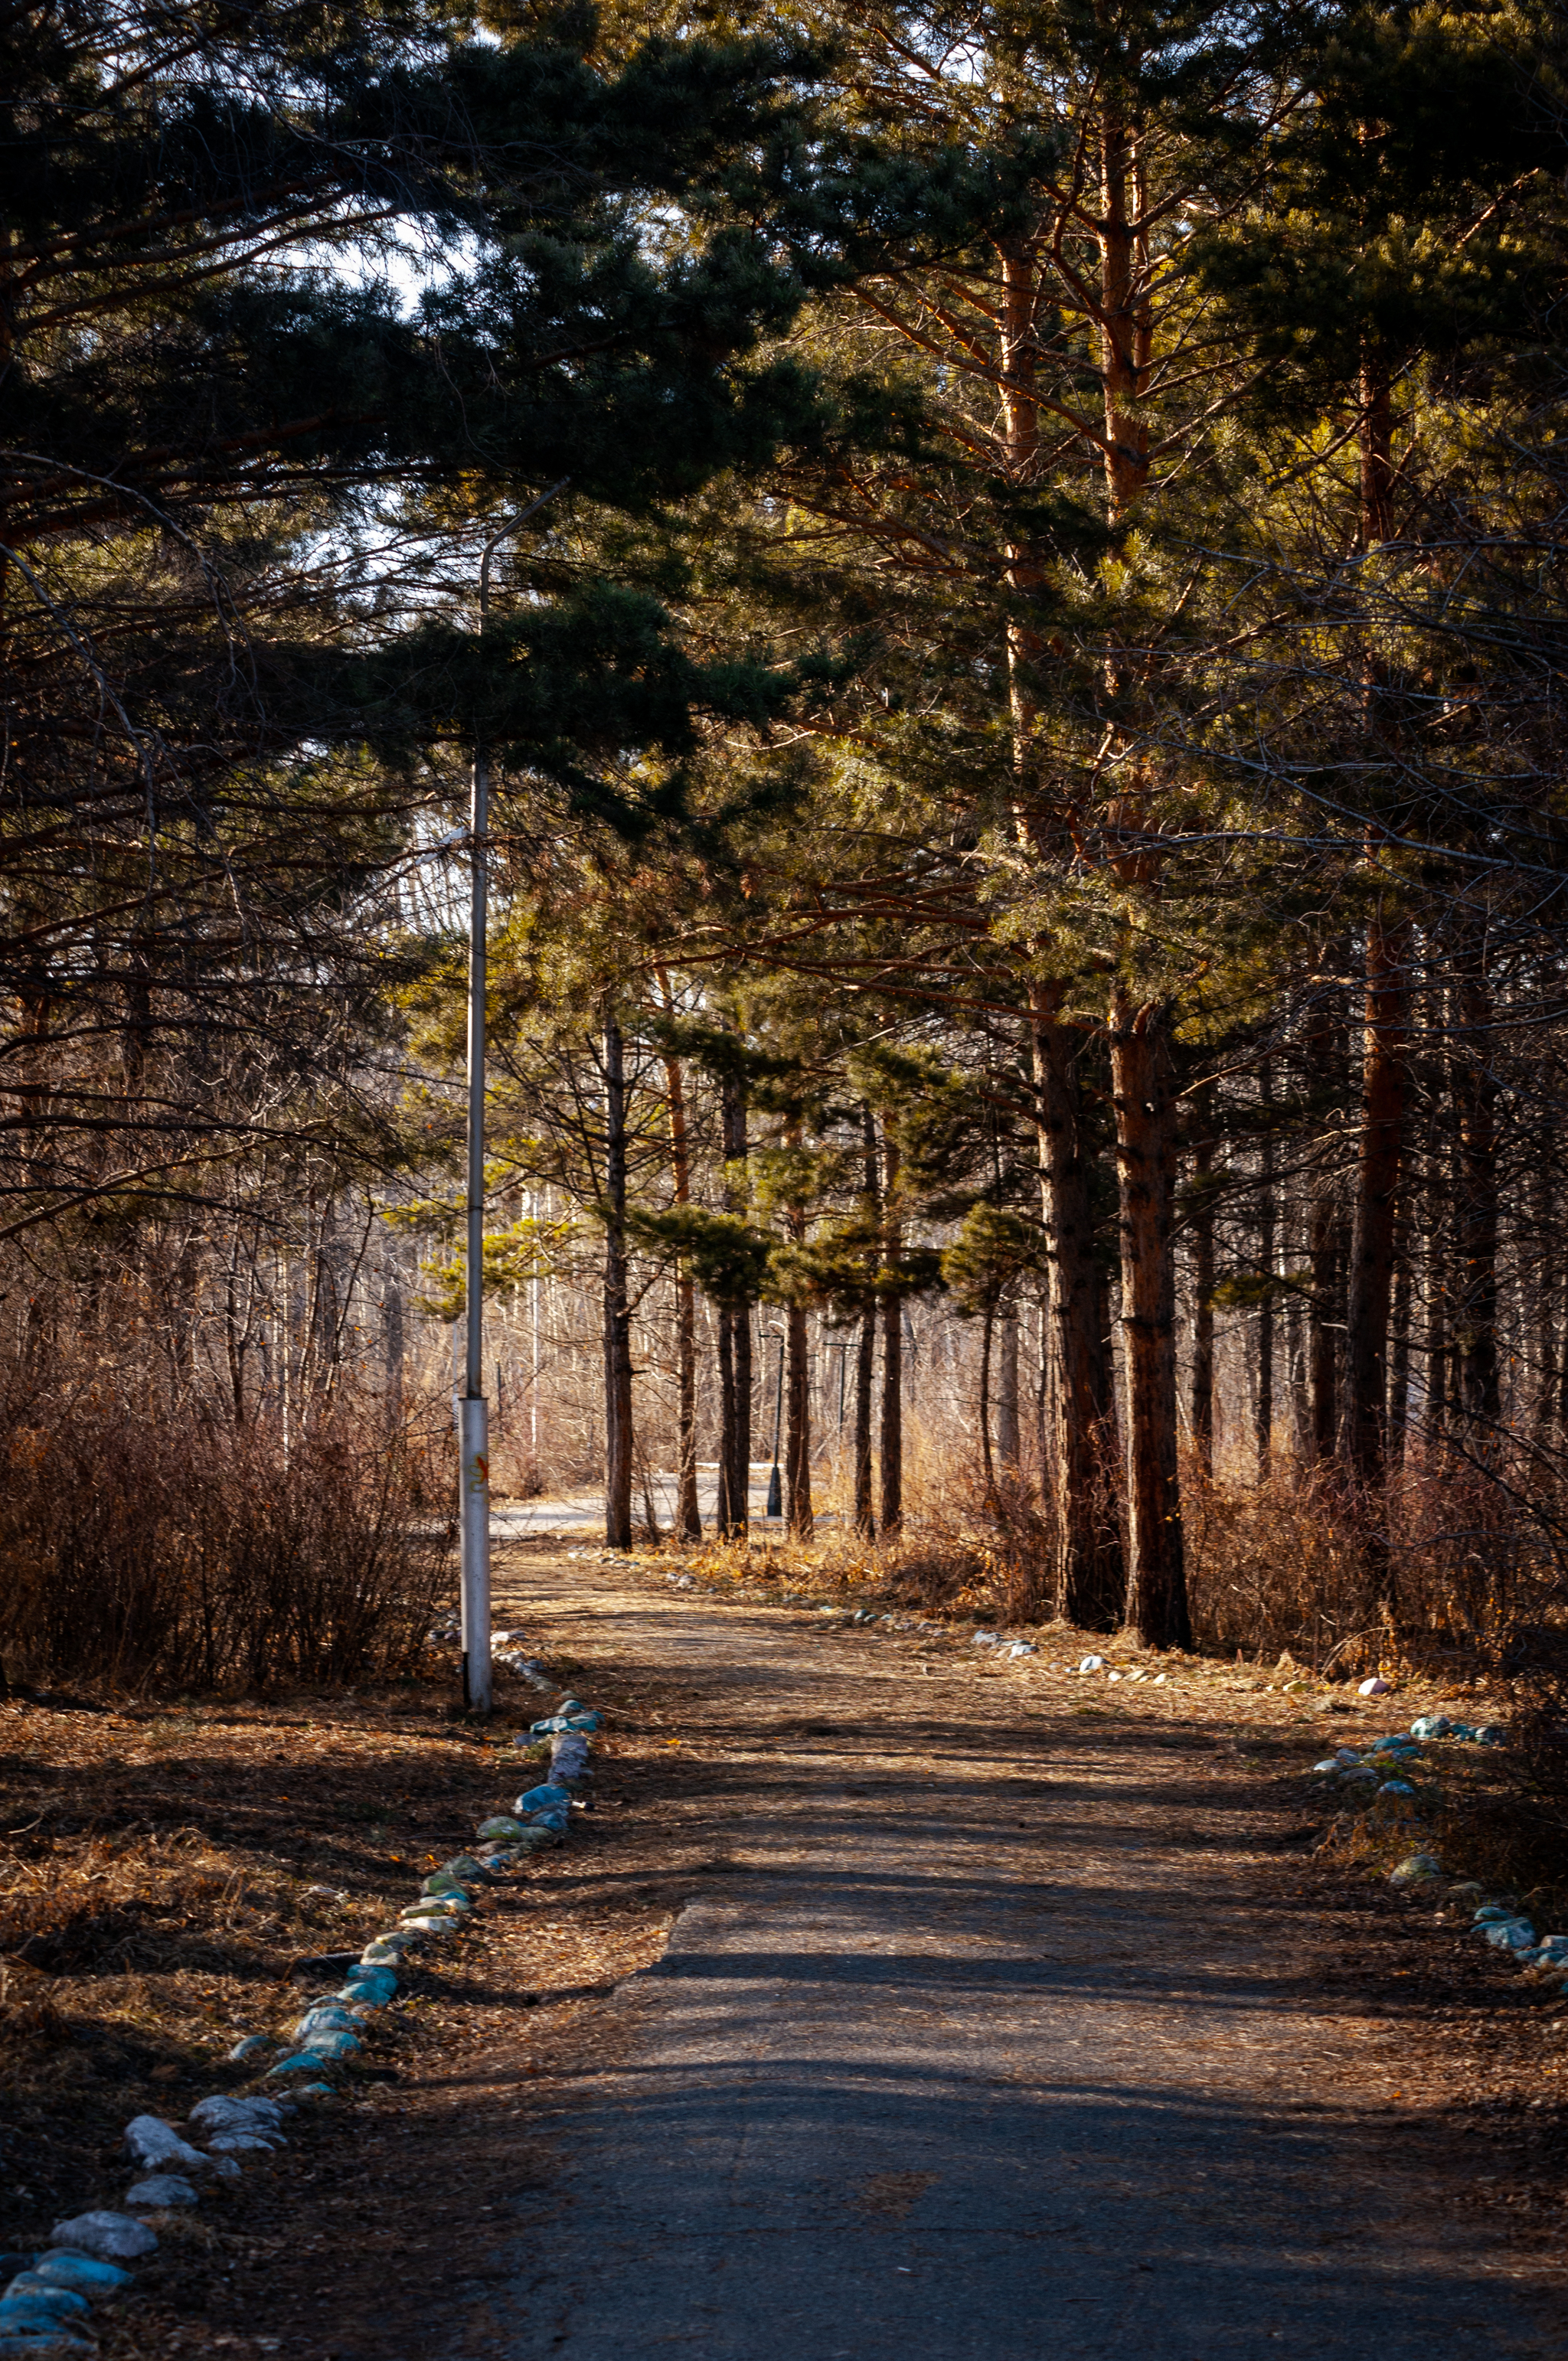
{"x": 205, "y": 1825}
{"x": 163, "y": 1868}
{"x": 1286, "y": 1564}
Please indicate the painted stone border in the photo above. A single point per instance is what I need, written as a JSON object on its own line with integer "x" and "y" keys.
{"x": 47, "y": 2305}
{"x": 1378, "y": 1769}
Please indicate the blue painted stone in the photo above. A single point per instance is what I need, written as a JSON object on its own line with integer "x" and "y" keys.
{"x": 547, "y": 1798}
{"x": 325, "y": 2020}
{"x": 387, "y": 1949}
{"x": 163, "y": 2190}
{"x": 328, "y": 2044}
{"x": 115, "y": 2237}
{"x": 85, "y": 2273}
{"x": 32, "y": 2287}
{"x": 375, "y": 1985}
{"x": 45, "y": 2302}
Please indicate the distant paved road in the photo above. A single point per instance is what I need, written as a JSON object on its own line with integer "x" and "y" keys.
{"x": 583, "y": 1512}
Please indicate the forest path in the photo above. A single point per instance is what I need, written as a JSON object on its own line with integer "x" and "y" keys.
{"x": 993, "y": 2034}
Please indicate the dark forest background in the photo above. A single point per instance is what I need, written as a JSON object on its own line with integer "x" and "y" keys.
{"x": 1008, "y": 566}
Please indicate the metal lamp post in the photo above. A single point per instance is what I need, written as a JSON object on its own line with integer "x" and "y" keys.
{"x": 472, "y": 1410}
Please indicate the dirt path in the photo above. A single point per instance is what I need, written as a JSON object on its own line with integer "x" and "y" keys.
{"x": 965, "y": 2022}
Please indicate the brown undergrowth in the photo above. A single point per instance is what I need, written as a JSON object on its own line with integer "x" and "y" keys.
{"x": 164, "y": 1868}
{"x": 355, "y": 1795}
{"x": 187, "y": 1552}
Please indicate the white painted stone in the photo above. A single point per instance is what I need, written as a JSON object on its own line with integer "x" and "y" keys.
{"x": 164, "y": 2188}
{"x": 156, "y": 2145}
{"x": 113, "y": 2237}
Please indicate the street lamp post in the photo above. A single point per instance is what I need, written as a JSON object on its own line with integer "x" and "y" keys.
{"x": 472, "y": 1410}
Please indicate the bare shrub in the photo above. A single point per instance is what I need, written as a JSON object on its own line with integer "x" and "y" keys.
{"x": 1278, "y": 1568}
{"x": 194, "y": 1553}
{"x": 1532, "y": 1664}
{"x": 964, "y": 1546}
{"x": 1286, "y": 1564}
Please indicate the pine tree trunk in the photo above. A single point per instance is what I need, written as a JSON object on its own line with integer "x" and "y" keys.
{"x": 798, "y": 1508}
{"x": 735, "y": 1452}
{"x": 393, "y": 1320}
{"x": 1549, "y": 1259}
{"x": 1296, "y": 1362}
{"x": 890, "y": 1466}
{"x": 1327, "y": 1063}
{"x": 1399, "y": 1339}
{"x": 1009, "y": 1438}
{"x": 1323, "y": 1387}
{"x": 1376, "y": 447}
{"x": 688, "y": 1513}
{"x": 866, "y": 1360}
{"x": 1475, "y": 1096}
{"x": 1201, "y": 1396}
{"x": 1383, "y": 1107}
{"x": 741, "y": 1470}
{"x": 1434, "y": 1412}
{"x": 865, "y": 1375}
{"x": 988, "y": 1465}
{"x": 1089, "y": 1578}
{"x": 234, "y": 1342}
{"x": 1146, "y": 1157}
{"x": 724, "y": 1514}
{"x": 1041, "y": 1398}
{"x": 797, "y": 1422}
{"x": 617, "y": 1313}
{"x": 1267, "y": 1214}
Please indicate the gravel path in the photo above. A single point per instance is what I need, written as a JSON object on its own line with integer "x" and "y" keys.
{"x": 994, "y": 2035}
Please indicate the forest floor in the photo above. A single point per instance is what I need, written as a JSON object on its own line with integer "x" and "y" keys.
{"x": 890, "y": 1999}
